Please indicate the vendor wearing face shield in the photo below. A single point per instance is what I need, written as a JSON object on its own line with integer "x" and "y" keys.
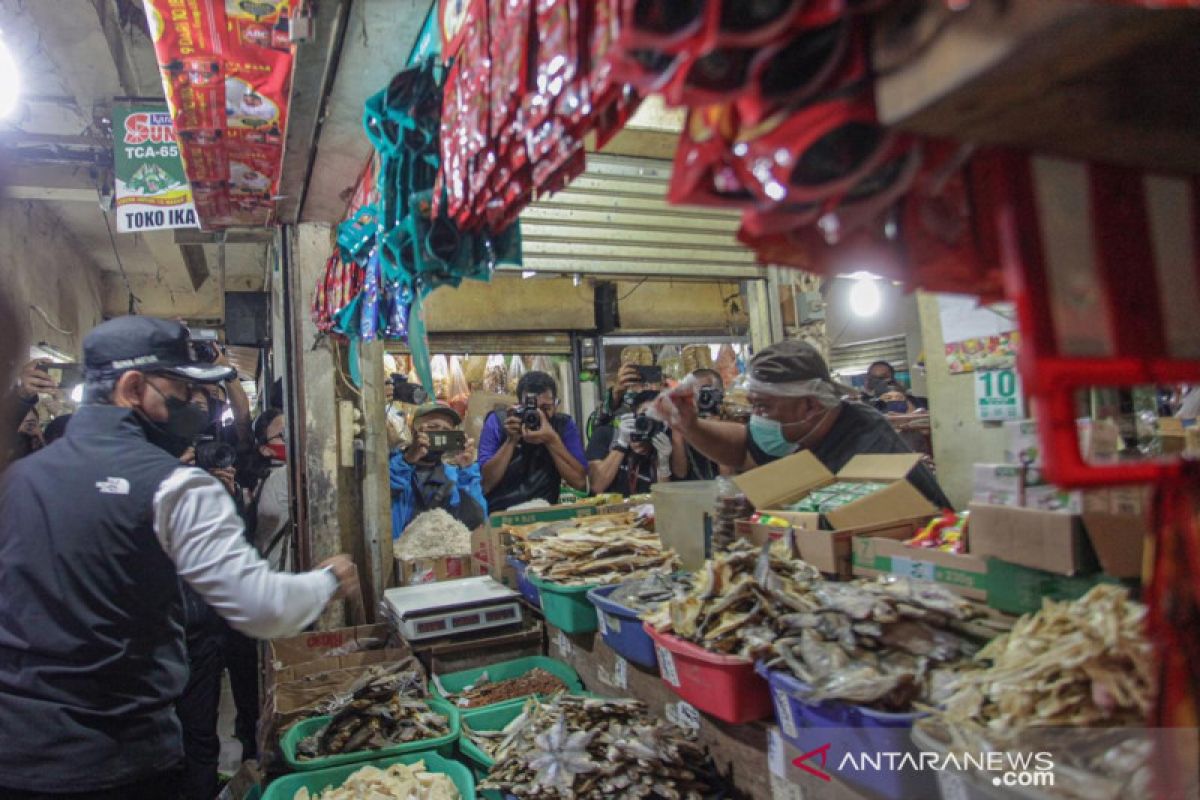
{"x": 796, "y": 406}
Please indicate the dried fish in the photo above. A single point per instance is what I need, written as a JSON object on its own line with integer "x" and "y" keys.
{"x": 396, "y": 782}
{"x": 379, "y": 713}
{"x": 601, "y": 554}
{"x": 595, "y": 749}
{"x": 484, "y": 692}
{"x": 648, "y": 593}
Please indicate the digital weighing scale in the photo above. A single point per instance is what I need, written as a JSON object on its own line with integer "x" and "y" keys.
{"x": 451, "y": 607}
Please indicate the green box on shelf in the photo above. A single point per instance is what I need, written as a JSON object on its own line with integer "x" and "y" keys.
{"x": 443, "y": 745}
{"x": 455, "y": 682}
{"x": 1015, "y": 589}
{"x": 285, "y": 788}
{"x": 567, "y": 607}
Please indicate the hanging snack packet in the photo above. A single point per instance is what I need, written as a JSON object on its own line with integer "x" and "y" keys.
{"x": 705, "y": 171}
{"x": 557, "y": 58}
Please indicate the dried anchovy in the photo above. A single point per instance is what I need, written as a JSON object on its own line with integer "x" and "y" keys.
{"x": 596, "y": 749}
{"x": 484, "y": 692}
{"x": 434, "y": 534}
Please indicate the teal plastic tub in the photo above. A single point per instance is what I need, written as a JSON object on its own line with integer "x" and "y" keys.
{"x": 443, "y": 745}
{"x": 567, "y": 607}
{"x": 491, "y": 718}
{"x": 285, "y": 788}
{"x": 455, "y": 682}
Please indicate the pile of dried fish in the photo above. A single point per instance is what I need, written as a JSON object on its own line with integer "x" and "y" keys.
{"x": 600, "y": 554}
{"x": 647, "y": 594}
{"x": 483, "y": 692}
{"x": 1076, "y": 679}
{"x": 1072, "y": 664}
{"x": 885, "y": 642}
{"x": 596, "y": 749}
{"x": 729, "y": 608}
{"x": 522, "y": 538}
{"x": 397, "y": 782}
{"x": 487, "y": 741}
{"x": 379, "y": 714}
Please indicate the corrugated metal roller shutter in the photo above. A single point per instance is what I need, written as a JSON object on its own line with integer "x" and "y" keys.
{"x": 614, "y": 220}
{"x": 486, "y": 344}
{"x": 855, "y": 358}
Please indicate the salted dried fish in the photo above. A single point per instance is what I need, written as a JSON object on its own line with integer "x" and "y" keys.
{"x": 485, "y": 692}
{"x": 593, "y": 749}
{"x": 396, "y": 782}
{"x": 600, "y": 555}
{"x": 647, "y": 594}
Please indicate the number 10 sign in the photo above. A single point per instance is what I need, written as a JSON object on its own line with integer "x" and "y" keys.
{"x": 998, "y": 395}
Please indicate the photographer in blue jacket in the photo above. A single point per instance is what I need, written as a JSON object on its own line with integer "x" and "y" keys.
{"x": 432, "y": 474}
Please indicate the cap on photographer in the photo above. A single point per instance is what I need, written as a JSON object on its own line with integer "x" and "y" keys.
{"x": 632, "y": 456}
{"x": 98, "y": 659}
{"x": 530, "y": 450}
{"x": 796, "y": 406}
{"x": 438, "y": 470}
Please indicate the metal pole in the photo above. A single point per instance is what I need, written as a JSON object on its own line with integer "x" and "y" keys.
{"x": 294, "y": 401}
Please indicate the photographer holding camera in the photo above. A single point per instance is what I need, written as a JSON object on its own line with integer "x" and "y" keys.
{"x": 437, "y": 470}
{"x": 634, "y": 455}
{"x": 531, "y": 450}
{"x": 710, "y": 394}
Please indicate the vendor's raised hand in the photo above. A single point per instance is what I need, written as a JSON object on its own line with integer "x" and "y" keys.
{"x": 679, "y": 408}
{"x": 545, "y": 434}
{"x": 465, "y": 457}
{"x": 628, "y": 376}
{"x": 418, "y": 449}
{"x": 34, "y": 379}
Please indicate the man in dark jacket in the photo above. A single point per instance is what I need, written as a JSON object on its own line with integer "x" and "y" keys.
{"x": 96, "y": 531}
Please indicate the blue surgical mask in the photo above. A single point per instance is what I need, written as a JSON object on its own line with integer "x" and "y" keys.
{"x": 768, "y": 435}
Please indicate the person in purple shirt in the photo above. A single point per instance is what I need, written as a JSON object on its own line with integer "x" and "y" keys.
{"x": 521, "y": 463}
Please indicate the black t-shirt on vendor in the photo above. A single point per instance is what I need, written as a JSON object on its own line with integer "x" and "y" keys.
{"x": 635, "y": 475}
{"x": 861, "y": 429}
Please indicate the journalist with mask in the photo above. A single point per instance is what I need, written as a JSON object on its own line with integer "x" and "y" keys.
{"x": 529, "y": 451}
{"x": 95, "y": 534}
{"x": 437, "y": 470}
{"x": 796, "y": 406}
{"x": 632, "y": 456}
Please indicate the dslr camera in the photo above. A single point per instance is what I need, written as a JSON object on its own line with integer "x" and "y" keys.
{"x": 646, "y": 428}
{"x": 405, "y": 392}
{"x": 211, "y": 453}
{"x": 530, "y": 418}
{"x": 709, "y": 399}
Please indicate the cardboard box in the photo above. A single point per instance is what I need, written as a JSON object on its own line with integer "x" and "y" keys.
{"x": 1021, "y": 444}
{"x": 1172, "y": 435}
{"x": 1017, "y": 589}
{"x": 1039, "y": 539}
{"x": 1052, "y": 498}
{"x": 290, "y": 651}
{"x": 999, "y": 484}
{"x": 1117, "y": 522}
{"x": 554, "y": 513}
{"x": 829, "y": 551}
{"x": 965, "y": 574}
{"x": 415, "y": 571}
{"x": 780, "y": 483}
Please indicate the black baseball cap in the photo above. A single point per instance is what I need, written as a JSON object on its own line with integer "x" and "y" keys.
{"x": 429, "y": 409}
{"x": 787, "y": 361}
{"x": 149, "y": 345}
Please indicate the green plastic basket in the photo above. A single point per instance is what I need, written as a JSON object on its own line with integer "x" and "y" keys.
{"x": 567, "y": 607}
{"x": 455, "y": 682}
{"x": 285, "y": 788}
{"x": 443, "y": 745}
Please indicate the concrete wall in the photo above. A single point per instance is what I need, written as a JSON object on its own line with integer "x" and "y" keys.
{"x": 42, "y": 265}
{"x": 959, "y": 438}
{"x": 510, "y": 303}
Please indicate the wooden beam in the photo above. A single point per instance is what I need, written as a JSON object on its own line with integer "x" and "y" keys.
{"x": 60, "y": 184}
{"x": 196, "y": 263}
{"x": 1079, "y": 79}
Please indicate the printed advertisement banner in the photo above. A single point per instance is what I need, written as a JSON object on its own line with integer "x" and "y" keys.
{"x": 227, "y": 71}
{"x": 152, "y": 188}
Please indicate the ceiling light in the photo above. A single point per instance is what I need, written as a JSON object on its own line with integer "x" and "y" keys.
{"x": 865, "y": 297}
{"x": 10, "y": 81}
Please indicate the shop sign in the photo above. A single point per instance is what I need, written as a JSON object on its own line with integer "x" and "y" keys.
{"x": 998, "y": 396}
{"x": 152, "y": 191}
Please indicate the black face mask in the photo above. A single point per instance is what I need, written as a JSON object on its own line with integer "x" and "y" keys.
{"x": 876, "y": 384}
{"x": 185, "y": 421}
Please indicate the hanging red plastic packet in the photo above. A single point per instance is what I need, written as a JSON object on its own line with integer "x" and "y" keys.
{"x": 704, "y": 172}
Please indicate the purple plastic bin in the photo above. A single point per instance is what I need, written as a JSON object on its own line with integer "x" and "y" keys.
{"x": 849, "y": 730}
{"x": 524, "y": 585}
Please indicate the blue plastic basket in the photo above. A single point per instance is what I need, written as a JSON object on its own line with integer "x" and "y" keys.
{"x": 849, "y": 730}
{"x": 622, "y": 630}
{"x": 524, "y": 585}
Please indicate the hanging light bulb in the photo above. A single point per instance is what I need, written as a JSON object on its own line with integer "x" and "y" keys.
{"x": 865, "y": 297}
{"x": 10, "y": 81}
